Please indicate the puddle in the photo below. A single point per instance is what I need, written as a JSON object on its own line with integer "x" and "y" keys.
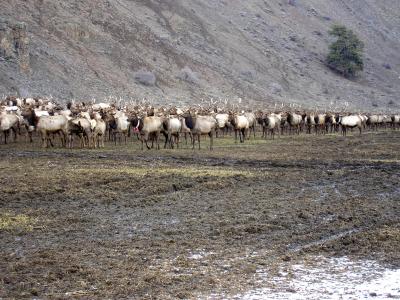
{"x": 322, "y": 278}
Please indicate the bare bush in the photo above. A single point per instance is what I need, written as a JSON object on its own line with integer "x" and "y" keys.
{"x": 186, "y": 74}
{"x": 145, "y": 77}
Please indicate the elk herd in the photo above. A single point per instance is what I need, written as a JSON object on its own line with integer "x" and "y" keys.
{"x": 92, "y": 124}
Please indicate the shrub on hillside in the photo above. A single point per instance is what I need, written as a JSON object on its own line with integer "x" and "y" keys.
{"x": 145, "y": 77}
{"x": 186, "y": 74}
{"x": 345, "y": 55}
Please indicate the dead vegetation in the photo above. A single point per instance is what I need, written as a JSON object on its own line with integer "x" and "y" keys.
{"x": 119, "y": 222}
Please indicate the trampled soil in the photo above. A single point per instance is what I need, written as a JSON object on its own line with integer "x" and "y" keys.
{"x": 124, "y": 223}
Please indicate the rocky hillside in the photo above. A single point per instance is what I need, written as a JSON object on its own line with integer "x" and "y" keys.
{"x": 176, "y": 50}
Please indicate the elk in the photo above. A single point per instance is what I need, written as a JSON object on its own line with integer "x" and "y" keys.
{"x": 186, "y": 130}
{"x": 119, "y": 125}
{"x": 320, "y": 121}
{"x": 351, "y": 121}
{"x": 172, "y": 127}
{"x": 52, "y": 124}
{"x": 330, "y": 122}
{"x": 310, "y": 122}
{"x": 201, "y": 125}
{"x": 240, "y": 125}
{"x": 294, "y": 121}
{"x": 251, "y": 117}
{"x": 148, "y": 126}
{"x": 82, "y": 127}
{"x": 222, "y": 122}
{"x": 260, "y": 121}
{"x": 373, "y": 122}
{"x": 395, "y": 121}
{"x": 9, "y": 122}
{"x": 99, "y": 131}
{"x": 271, "y": 123}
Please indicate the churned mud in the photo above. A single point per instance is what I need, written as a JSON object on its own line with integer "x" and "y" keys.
{"x": 241, "y": 221}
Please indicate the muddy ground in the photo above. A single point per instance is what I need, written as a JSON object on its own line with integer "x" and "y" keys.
{"x": 120, "y": 222}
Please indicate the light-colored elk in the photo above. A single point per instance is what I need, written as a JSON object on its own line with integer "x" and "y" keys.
{"x": 9, "y": 121}
{"x": 52, "y": 124}
{"x": 395, "y": 121}
{"x": 295, "y": 121}
{"x": 148, "y": 127}
{"x": 330, "y": 121}
{"x": 81, "y": 127}
{"x": 172, "y": 127}
{"x": 201, "y": 125}
{"x": 373, "y": 121}
{"x": 99, "y": 131}
{"x": 310, "y": 122}
{"x": 240, "y": 125}
{"x": 185, "y": 130}
{"x": 320, "y": 124}
{"x": 351, "y": 121}
{"x": 251, "y": 117}
{"x": 271, "y": 124}
{"x": 222, "y": 122}
{"x": 100, "y": 106}
{"x": 118, "y": 126}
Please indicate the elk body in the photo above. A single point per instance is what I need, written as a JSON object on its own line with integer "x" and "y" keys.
{"x": 240, "y": 125}
{"x": 222, "y": 122}
{"x": 201, "y": 125}
{"x": 52, "y": 124}
{"x": 9, "y": 121}
{"x": 99, "y": 131}
{"x": 148, "y": 127}
{"x": 271, "y": 125}
{"x": 295, "y": 121}
{"x": 251, "y": 117}
{"x": 172, "y": 128}
{"x": 350, "y": 122}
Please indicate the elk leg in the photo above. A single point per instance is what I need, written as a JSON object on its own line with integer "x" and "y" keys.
{"x": 199, "y": 137}
{"x": 167, "y": 137}
{"x": 148, "y": 147}
{"x": 158, "y": 140}
{"x": 15, "y": 133}
{"x": 44, "y": 141}
{"x": 50, "y": 140}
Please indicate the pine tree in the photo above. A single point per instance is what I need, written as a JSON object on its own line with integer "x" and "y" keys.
{"x": 345, "y": 54}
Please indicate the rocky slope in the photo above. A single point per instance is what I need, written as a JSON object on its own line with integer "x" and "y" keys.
{"x": 182, "y": 51}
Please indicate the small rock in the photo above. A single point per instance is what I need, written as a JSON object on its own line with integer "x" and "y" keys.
{"x": 286, "y": 258}
{"x": 276, "y": 88}
{"x": 387, "y": 66}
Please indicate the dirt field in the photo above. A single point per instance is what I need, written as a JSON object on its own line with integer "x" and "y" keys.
{"x": 121, "y": 222}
